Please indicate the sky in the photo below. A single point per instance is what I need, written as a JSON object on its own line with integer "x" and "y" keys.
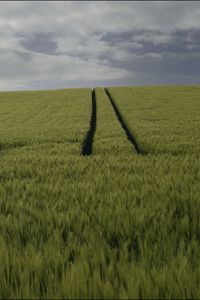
{"x": 45, "y": 45}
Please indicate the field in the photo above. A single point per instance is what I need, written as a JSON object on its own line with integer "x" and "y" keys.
{"x": 118, "y": 223}
{"x": 163, "y": 119}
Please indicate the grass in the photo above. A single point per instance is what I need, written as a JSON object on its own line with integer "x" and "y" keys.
{"x": 163, "y": 119}
{"x": 111, "y": 225}
{"x": 30, "y": 118}
{"x": 109, "y": 138}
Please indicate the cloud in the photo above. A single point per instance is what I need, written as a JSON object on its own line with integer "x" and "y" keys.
{"x": 47, "y": 68}
{"x": 42, "y": 43}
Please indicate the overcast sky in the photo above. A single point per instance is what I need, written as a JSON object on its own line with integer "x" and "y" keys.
{"x": 71, "y": 44}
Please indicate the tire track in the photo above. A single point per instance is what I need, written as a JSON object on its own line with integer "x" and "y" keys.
{"x": 88, "y": 141}
{"x": 129, "y": 135}
{"x": 6, "y": 147}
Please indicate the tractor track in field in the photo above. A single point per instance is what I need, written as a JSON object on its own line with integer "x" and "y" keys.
{"x": 88, "y": 141}
{"x": 129, "y": 135}
{"x": 6, "y": 147}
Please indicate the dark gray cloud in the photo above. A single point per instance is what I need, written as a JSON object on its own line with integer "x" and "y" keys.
{"x": 62, "y": 44}
{"x": 40, "y": 42}
{"x": 141, "y": 42}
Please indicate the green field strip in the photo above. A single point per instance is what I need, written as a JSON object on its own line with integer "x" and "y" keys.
{"x": 162, "y": 119}
{"x": 109, "y": 138}
{"x": 59, "y": 116}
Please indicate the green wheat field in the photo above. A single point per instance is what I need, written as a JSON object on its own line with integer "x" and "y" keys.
{"x": 117, "y": 223}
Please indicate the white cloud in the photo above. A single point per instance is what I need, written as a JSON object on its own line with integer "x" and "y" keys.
{"x": 154, "y": 37}
{"x": 19, "y": 70}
